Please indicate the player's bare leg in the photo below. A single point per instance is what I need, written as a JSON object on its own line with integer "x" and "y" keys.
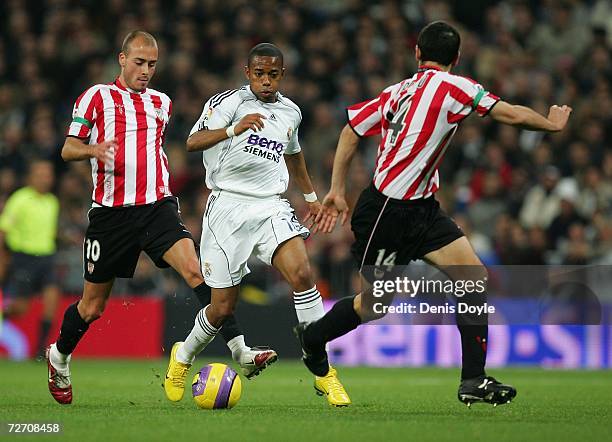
{"x": 459, "y": 261}
{"x": 222, "y": 305}
{"x": 182, "y": 258}
{"x": 457, "y": 253}
{"x": 93, "y": 302}
{"x": 76, "y": 322}
{"x": 292, "y": 261}
{"x": 252, "y": 360}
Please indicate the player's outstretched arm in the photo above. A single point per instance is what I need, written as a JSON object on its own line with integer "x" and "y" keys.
{"x": 75, "y": 149}
{"x": 334, "y": 204}
{"x": 207, "y": 138}
{"x": 347, "y": 146}
{"x": 526, "y": 118}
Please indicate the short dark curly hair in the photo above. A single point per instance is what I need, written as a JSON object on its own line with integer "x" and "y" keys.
{"x": 265, "y": 50}
{"x": 439, "y": 42}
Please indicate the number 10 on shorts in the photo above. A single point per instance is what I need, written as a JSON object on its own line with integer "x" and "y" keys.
{"x": 92, "y": 251}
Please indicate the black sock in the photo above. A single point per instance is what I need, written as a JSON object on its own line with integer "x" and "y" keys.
{"x": 45, "y": 326}
{"x": 230, "y": 327}
{"x": 474, "y": 337}
{"x": 337, "y": 322}
{"x": 473, "y": 349}
{"x": 73, "y": 329}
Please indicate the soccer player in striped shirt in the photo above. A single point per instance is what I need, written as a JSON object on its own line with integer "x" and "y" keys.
{"x": 397, "y": 219}
{"x": 119, "y": 128}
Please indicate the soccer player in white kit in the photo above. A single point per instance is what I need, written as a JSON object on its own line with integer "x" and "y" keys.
{"x": 249, "y": 139}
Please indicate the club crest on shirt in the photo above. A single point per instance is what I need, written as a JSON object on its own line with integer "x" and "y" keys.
{"x": 289, "y": 133}
{"x": 204, "y": 122}
{"x": 159, "y": 113}
{"x": 120, "y": 108}
{"x": 90, "y": 267}
{"x": 207, "y": 269}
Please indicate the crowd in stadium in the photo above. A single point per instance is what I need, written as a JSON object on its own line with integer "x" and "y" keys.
{"x": 521, "y": 197}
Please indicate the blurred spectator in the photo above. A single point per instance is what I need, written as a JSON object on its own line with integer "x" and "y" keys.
{"x": 541, "y": 203}
{"x": 485, "y": 210}
{"x": 576, "y": 249}
{"x": 595, "y": 193}
{"x": 602, "y": 240}
{"x": 493, "y": 162}
{"x": 560, "y": 38}
{"x": 568, "y": 217}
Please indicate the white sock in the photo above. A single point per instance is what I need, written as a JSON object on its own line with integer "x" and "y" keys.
{"x": 237, "y": 346}
{"x": 59, "y": 360}
{"x": 200, "y": 336}
{"x": 308, "y": 305}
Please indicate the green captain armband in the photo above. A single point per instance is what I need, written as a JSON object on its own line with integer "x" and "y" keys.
{"x": 82, "y": 121}
{"x": 477, "y": 98}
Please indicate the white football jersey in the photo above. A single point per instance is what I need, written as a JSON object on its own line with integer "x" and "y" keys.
{"x": 251, "y": 163}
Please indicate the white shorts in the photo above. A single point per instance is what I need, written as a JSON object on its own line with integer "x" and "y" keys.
{"x": 235, "y": 227}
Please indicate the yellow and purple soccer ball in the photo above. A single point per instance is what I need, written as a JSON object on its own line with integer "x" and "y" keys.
{"x": 216, "y": 386}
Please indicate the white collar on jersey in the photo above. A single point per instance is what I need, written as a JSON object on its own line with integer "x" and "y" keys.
{"x": 278, "y": 95}
{"x": 125, "y": 88}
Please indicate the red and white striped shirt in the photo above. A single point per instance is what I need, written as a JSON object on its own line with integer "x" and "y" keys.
{"x": 139, "y": 174}
{"x": 416, "y": 119}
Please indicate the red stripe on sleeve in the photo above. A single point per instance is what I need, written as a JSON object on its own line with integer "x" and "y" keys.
{"x": 483, "y": 110}
{"x": 460, "y": 95}
{"x": 360, "y": 112}
{"x": 455, "y": 118}
{"x": 84, "y": 131}
{"x": 95, "y": 100}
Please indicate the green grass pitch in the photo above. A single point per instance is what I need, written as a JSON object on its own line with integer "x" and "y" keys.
{"x": 123, "y": 400}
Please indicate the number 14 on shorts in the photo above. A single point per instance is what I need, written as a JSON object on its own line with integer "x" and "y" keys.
{"x": 387, "y": 261}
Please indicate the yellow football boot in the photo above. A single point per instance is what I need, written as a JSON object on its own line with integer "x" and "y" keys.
{"x": 330, "y": 386}
{"x": 174, "y": 384}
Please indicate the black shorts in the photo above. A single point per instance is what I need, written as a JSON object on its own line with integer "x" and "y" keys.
{"x": 404, "y": 231}
{"x": 116, "y": 236}
{"x": 29, "y": 274}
